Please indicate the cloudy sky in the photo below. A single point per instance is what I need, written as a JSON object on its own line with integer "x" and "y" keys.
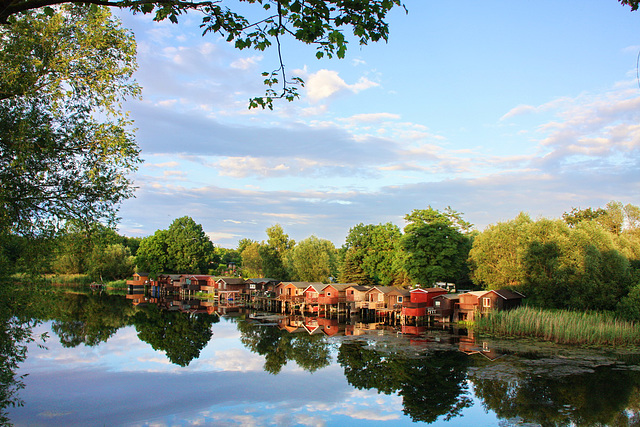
{"x": 491, "y": 107}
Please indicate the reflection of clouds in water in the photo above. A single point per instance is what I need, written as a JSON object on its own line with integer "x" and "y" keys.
{"x": 364, "y": 405}
{"x": 233, "y": 359}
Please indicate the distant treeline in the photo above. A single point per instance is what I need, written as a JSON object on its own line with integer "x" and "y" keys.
{"x": 587, "y": 260}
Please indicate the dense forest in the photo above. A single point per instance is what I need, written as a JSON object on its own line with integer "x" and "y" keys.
{"x": 587, "y": 260}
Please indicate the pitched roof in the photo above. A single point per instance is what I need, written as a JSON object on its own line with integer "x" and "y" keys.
{"x": 360, "y": 288}
{"x": 232, "y": 280}
{"x": 508, "y": 294}
{"x": 448, "y": 296}
{"x": 340, "y": 286}
{"x": 427, "y": 290}
{"x": 300, "y": 285}
{"x": 318, "y": 287}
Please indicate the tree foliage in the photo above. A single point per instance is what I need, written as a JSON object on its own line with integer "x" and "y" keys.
{"x": 585, "y": 261}
{"x": 372, "y": 255}
{"x": 182, "y": 248}
{"x": 313, "y": 260}
{"x": 321, "y": 23}
{"x": 435, "y": 247}
{"x": 66, "y": 146}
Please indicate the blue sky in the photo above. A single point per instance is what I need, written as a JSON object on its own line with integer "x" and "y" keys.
{"x": 492, "y": 108}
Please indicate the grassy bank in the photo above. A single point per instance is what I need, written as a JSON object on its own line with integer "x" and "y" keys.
{"x": 560, "y": 326}
{"x": 80, "y": 280}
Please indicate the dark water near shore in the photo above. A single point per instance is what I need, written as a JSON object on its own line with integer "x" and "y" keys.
{"x": 107, "y": 362}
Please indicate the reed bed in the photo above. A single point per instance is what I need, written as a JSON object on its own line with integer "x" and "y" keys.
{"x": 561, "y": 326}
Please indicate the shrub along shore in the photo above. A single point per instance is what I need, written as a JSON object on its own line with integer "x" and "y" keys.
{"x": 561, "y": 326}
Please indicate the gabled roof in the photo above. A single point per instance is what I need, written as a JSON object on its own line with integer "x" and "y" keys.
{"x": 508, "y": 294}
{"x": 299, "y": 285}
{"x": 232, "y": 280}
{"x": 399, "y": 291}
{"x": 318, "y": 287}
{"x": 477, "y": 294}
{"x": 448, "y": 296}
{"x": 383, "y": 289}
{"x": 341, "y": 286}
{"x": 427, "y": 290}
{"x": 261, "y": 280}
{"x": 360, "y": 288}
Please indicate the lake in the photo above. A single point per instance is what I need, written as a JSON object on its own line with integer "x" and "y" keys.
{"x": 108, "y": 362}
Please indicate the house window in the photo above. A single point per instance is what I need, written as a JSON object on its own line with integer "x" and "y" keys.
{"x": 252, "y": 286}
{"x": 328, "y": 294}
{"x": 436, "y": 303}
{"x": 486, "y": 302}
{"x": 399, "y": 299}
{"x": 380, "y": 297}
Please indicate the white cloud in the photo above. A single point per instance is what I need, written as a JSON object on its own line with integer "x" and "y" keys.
{"x": 325, "y": 83}
{"x": 246, "y": 63}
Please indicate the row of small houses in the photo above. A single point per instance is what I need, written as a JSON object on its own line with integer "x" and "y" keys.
{"x": 435, "y": 303}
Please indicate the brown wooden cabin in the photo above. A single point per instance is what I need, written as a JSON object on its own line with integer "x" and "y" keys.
{"x": 193, "y": 282}
{"x": 138, "y": 279}
{"x": 169, "y": 282}
{"x": 334, "y": 293}
{"x": 312, "y": 292}
{"x": 260, "y": 286}
{"x": 444, "y": 307}
{"x": 378, "y": 297}
{"x": 210, "y": 286}
{"x": 357, "y": 293}
{"x": 481, "y": 302}
{"x": 291, "y": 291}
{"x": 397, "y": 297}
{"x": 230, "y": 288}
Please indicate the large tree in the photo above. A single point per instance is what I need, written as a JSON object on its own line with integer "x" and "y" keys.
{"x": 435, "y": 246}
{"x": 66, "y": 147}
{"x": 371, "y": 255}
{"x": 183, "y": 248}
{"x": 313, "y": 260}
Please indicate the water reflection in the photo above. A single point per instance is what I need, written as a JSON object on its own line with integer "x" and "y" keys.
{"x": 260, "y": 361}
{"x": 180, "y": 335}
{"x": 431, "y": 386}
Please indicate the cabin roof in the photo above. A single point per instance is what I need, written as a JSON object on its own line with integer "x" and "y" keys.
{"x": 448, "y": 296}
{"x": 360, "y": 288}
{"x": 232, "y": 280}
{"x": 340, "y": 286}
{"x": 400, "y": 291}
{"x": 318, "y": 287}
{"x": 427, "y": 290}
{"x": 476, "y": 293}
{"x": 261, "y": 280}
{"x": 299, "y": 285}
{"x": 508, "y": 294}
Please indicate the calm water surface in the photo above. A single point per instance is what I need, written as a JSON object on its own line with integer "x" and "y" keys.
{"x": 107, "y": 362}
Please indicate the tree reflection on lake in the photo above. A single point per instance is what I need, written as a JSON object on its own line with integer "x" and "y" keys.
{"x": 223, "y": 368}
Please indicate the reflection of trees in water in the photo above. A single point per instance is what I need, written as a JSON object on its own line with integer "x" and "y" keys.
{"x": 431, "y": 386}
{"x": 87, "y": 319}
{"x": 310, "y": 352}
{"x": 16, "y": 326}
{"x": 594, "y": 397}
{"x": 180, "y": 335}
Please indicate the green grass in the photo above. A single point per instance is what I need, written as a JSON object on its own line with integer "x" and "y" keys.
{"x": 116, "y": 284}
{"x": 561, "y": 326}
